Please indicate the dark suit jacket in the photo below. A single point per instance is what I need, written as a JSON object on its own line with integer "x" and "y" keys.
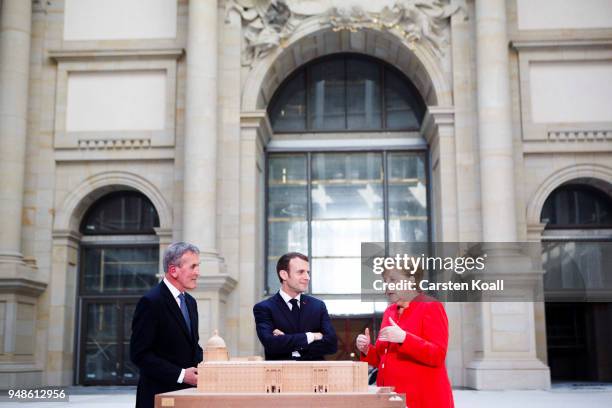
{"x": 161, "y": 344}
{"x": 274, "y": 313}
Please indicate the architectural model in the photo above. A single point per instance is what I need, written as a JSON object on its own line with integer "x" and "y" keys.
{"x": 218, "y": 374}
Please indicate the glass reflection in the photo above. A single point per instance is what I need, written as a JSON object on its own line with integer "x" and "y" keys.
{"x": 344, "y": 237}
{"x": 326, "y": 96}
{"x": 130, "y": 371}
{"x": 290, "y": 236}
{"x": 363, "y": 95}
{"x": 289, "y": 113}
{"x": 336, "y": 275}
{"x": 101, "y": 342}
{"x": 575, "y": 265}
{"x": 346, "y": 92}
{"x": 398, "y": 98}
{"x": 346, "y": 193}
{"x": 115, "y": 269}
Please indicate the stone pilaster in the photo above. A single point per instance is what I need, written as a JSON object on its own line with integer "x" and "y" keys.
{"x": 495, "y": 123}
{"x": 200, "y": 165}
{"x": 255, "y": 132}
{"x": 506, "y": 355}
{"x": 15, "y": 28}
{"x": 200, "y": 168}
{"x": 62, "y": 308}
{"x": 439, "y": 130}
{"x": 20, "y": 285}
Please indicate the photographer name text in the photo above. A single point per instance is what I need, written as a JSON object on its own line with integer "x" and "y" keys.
{"x": 425, "y": 285}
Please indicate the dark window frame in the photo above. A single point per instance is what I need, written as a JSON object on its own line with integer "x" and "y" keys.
{"x": 417, "y": 104}
{"x": 574, "y": 188}
{"x": 121, "y": 302}
{"x": 105, "y": 199}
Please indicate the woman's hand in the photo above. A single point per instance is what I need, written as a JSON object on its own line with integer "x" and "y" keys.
{"x": 363, "y": 341}
{"x": 393, "y": 333}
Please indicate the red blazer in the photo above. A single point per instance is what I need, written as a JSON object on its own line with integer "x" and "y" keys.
{"x": 416, "y": 366}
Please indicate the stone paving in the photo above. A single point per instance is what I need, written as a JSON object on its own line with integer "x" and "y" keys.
{"x": 560, "y": 396}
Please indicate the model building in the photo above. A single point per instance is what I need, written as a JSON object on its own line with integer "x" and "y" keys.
{"x": 220, "y": 374}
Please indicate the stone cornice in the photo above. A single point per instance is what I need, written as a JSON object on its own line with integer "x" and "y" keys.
{"x": 19, "y": 278}
{"x": 259, "y": 121}
{"x": 559, "y": 43}
{"x": 436, "y": 117}
{"x": 163, "y": 232}
{"x": 22, "y": 286}
{"x": 534, "y": 231}
{"x": 72, "y": 55}
{"x": 69, "y": 235}
{"x": 223, "y": 284}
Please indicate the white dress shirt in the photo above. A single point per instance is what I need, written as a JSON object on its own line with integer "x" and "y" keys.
{"x": 287, "y": 298}
{"x": 175, "y": 293}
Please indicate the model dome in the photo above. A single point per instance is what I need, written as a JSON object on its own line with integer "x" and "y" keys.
{"x": 216, "y": 341}
{"x": 215, "y": 349}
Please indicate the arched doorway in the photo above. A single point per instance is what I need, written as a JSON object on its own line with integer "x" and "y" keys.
{"x": 118, "y": 262}
{"x": 346, "y": 164}
{"x": 577, "y": 254}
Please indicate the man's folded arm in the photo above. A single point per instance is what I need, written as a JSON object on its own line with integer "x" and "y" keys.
{"x": 144, "y": 327}
{"x": 329, "y": 343}
{"x": 286, "y": 343}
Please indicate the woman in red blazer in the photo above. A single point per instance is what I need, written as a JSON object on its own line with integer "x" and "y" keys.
{"x": 411, "y": 347}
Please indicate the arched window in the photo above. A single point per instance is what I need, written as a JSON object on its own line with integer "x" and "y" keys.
{"x": 126, "y": 212}
{"x": 119, "y": 262}
{"x": 577, "y": 206}
{"x": 346, "y": 92}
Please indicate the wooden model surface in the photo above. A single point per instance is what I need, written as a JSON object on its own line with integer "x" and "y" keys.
{"x": 218, "y": 374}
{"x": 275, "y": 377}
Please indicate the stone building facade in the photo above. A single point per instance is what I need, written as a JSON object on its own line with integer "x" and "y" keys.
{"x": 165, "y": 107}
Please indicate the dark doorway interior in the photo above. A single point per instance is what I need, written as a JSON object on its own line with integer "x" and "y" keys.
{"x": 579, "y": 341}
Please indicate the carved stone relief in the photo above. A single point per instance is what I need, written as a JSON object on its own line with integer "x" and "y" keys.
{"x": 268, "y": 23}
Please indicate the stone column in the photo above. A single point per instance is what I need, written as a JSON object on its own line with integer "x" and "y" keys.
{"x": 495, "y": 123}
{"x": 504, "y": 346}
{"x": 20, "y": 286}
{"x": 255, "y": 135}
{"x": 15, "y": 27}
{"x": 200, "y": 166}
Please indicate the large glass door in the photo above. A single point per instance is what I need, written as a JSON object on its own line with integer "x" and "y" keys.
{"x": 112, "y": 280}
{"x": 105, "y": 342}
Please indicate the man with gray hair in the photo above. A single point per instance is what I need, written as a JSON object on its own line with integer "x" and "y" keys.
{"x": 164, "y": 344}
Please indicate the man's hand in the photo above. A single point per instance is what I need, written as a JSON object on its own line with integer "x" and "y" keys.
{"x": 191, "y": 376}
{"x": 363, "y": 341}
{"x": 393, "y": 333}
{"x": 277, "y": 332}
{"x": 317, "y": 336}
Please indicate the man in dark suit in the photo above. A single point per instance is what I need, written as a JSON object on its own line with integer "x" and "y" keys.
{"x": 164, "y": 343}
{"x": 291, "y": 325}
